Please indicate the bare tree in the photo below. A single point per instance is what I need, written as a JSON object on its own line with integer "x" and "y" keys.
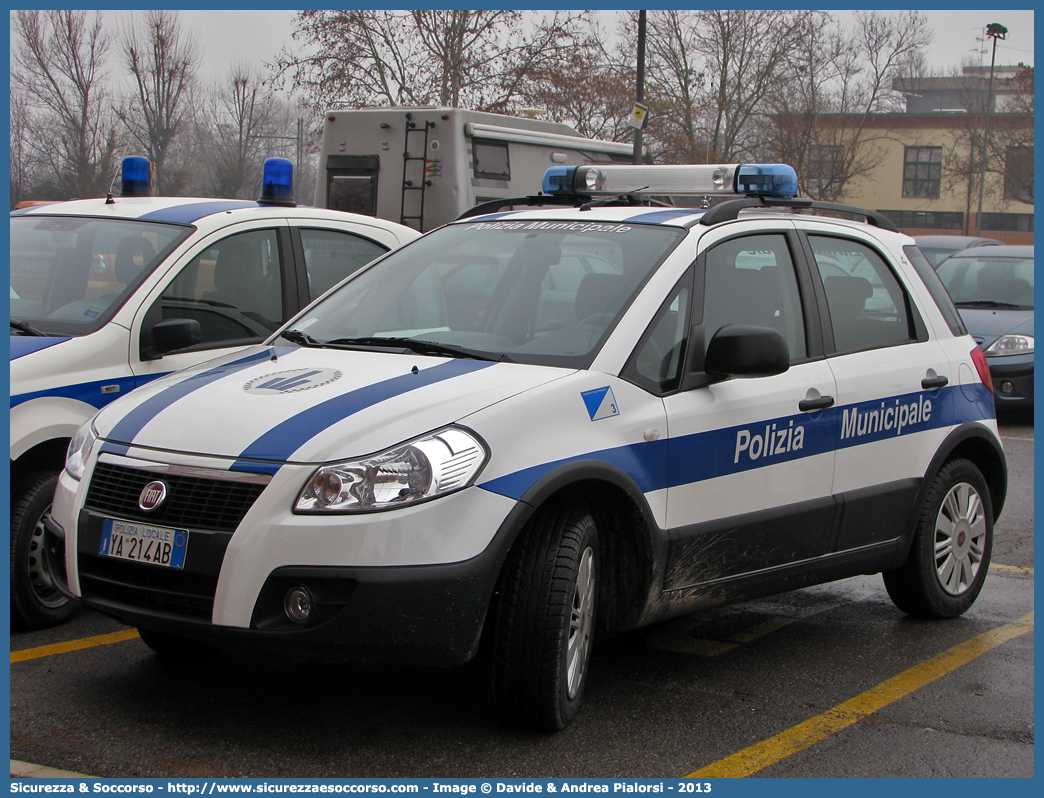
{"x": 23, "y": 155}
{"x": 829, "y": 116}
{"x": 232, "y": 135}
{"x": 676, "y": 92}
{"x": 483, "y": 60}
{"x": 589, "y": 87}
{"x": 748, "y": 56}
{"x": 60, "y": 61}
{"x": 162, "y": 60}
{"x": 1008, "y": 170}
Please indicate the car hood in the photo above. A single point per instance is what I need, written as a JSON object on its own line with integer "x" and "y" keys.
{"x": 289, "y": 404}
{"x": 988, "y": 324}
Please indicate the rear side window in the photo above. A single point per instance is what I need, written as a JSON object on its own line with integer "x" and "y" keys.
{"x": 936, "y": 288}
{"x": 867, "y": 305}
{"x": 332, "y": 255}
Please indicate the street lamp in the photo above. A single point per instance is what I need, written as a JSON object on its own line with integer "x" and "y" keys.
{"x": 995, "y": 31}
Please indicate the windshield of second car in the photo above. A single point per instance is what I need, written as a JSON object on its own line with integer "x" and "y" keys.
{"x": 70, "y": 274}
{"x": 989, "y": 281}
{"x": 544, "y": 292}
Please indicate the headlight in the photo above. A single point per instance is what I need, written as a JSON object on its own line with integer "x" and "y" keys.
{"x": 431, "y": 466}
{"x": 1011, "y": 345}
{"x": 80, "y": 450}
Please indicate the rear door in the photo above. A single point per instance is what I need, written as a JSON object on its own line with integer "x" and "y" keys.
{"x": 891, "y": 378}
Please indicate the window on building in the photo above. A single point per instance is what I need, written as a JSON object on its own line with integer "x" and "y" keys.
{"x": 825, "y": 166}
{"x": 926, "y": 220}
{"x": 1018, "y": 174}
{"x": 922, "y": 171}
{"x": 1010, "y": 222}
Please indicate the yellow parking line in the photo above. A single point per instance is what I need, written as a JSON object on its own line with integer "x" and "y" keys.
{"x": 1017, "y": 568}
{"x": 72, "y": 645}
{"x": 804, "y": 735}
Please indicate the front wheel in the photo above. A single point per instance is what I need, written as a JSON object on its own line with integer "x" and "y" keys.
{"x": 950, "y": 555}
{"x": 35, "y": 602}
{"x": 544, "y": 620}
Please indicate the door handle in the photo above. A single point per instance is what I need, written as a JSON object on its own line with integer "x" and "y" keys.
{"x": 809, "y": 405}
{"x": 930, "y": 383}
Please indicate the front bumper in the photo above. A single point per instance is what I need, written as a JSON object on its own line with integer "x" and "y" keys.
{"x": 410, "y": 585}
{"x": 1012, "y": 380}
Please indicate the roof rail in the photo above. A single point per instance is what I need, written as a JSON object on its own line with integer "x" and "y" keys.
{"x": 729, "y": 211}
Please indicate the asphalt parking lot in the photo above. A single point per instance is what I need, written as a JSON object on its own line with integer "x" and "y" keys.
{"x": 830, "y": 681}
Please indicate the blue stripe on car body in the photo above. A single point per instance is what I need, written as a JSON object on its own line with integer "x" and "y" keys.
{"x": 22, "y": 345}
{"x": 89, "y": 392}
{"x": 707, "y": 455}
{"x": 187, "y": 214}
{"x": 135, "y": 420}
{"x": 279, "y": 443}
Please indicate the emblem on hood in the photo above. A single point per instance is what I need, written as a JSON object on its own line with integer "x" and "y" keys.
{"x": 152, "y": 496}
{"x": 291, "y": 381}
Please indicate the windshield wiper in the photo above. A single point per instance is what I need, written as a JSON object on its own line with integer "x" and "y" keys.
{"x": 301, "y": 338}
{"x": 26, "y": 328}
{"x": 987, "y": 303}
{"x": 413, "y": 345}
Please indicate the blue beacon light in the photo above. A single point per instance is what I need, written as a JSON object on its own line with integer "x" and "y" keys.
{"x": 277, "y": 184}
{"x": 136, "y": 177}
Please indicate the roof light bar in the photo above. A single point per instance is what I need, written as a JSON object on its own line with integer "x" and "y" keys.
{"x": 277, "y": 184}
{"x": 778, "y": 180}
{"x": 136, "y": 177}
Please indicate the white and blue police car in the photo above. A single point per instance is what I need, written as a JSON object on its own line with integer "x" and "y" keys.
{"x": 535, "y": 426}
{"x": 108, "y": 294}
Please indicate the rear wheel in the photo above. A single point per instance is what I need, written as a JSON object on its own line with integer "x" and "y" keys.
{"x": 950, "y": 555}
{"x": 35, "y": 602}
{"x": 544, "y": 620}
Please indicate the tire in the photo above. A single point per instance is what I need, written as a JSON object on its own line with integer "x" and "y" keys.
{"x": 544, "y": 620}
{"x": 35, "y": 602}
{"x": 174, "y": 648}
{"x": 950, "y": 554}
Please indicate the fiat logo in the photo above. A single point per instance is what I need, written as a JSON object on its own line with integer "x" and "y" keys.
{"x": 152, "y": 496}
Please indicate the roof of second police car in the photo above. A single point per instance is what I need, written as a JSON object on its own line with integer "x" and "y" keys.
{"x": 677, "y": 216}
{"x": 186, "y": 210}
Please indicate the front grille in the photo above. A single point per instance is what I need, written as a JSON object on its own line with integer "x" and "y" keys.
{"x": 191, "y": 503}
{"x": 148, "y": 587}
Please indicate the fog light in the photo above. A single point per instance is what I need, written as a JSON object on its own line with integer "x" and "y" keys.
{"x": 298, "y": 604}
{"x": 1007, "y": 388}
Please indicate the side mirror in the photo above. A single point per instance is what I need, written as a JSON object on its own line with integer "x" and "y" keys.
{"x": 746, "y": 350}
{"x": 170, "y": 336}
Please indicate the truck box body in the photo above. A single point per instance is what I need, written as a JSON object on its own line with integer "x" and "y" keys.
{"x": 424, "y": 166}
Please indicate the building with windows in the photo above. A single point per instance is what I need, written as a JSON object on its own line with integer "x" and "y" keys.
{"x": 922, "y": 168}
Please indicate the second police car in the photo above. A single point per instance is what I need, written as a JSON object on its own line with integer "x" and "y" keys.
{"x": 544, "y": 424}
{"x": 110, "y": 293}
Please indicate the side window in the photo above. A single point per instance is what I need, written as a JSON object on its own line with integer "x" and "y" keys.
{"x": 751, "y": 280}
{"x": 233, "y": 289}
{"x": 491, "y": 159}
{"x": 657, "y": 363}
{"x": 867, "y": 305}
{"x": 332, "y": 255}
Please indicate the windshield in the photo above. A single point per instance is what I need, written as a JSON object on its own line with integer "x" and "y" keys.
{"x": 542, "y": 292}
{"x": 936, "y": 255}
{"x": 989, "y": 281}
{"x": 70, "y": 274}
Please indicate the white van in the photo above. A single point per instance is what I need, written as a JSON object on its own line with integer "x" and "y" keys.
{"x": 423, "y": 167}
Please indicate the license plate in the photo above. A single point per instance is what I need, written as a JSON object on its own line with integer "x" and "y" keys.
{"x": 157, "y": 545}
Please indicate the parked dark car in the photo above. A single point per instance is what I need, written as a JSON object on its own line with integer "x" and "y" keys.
{"x": 939, "y": 248}
{"x": 993, "y": 290}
